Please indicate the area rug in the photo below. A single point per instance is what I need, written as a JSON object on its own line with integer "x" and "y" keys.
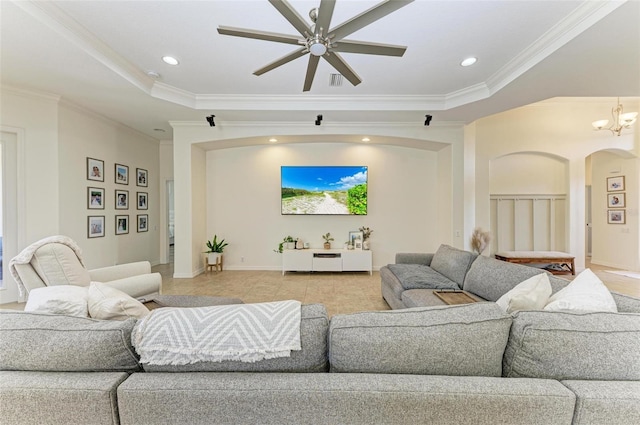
{"x": 635, "y": 275}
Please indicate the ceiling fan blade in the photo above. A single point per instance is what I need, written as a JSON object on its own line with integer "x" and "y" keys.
{"x": 325, "y": 12}
{"x": 365, "y": 18}
{"x": 311, "y": 72}
{"x": 350, "y": 46}
{"x": 259, "y": 35}
{"x": 341, "y": 66}
{"x": 291, "y": 15}
{"x": 285, "y": 59}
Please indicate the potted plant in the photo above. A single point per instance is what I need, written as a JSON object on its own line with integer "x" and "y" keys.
{"x": 287, "y": 243}
{"x": 327, "y": 240}
{"x": 215, "y": 249}
{"x": 366, "y": 233}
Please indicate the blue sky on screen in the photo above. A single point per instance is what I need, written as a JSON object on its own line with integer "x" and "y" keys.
{"x": 323, "y": 178}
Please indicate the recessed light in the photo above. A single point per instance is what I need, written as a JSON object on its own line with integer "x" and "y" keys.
{"x": 273, "y": 140}
{"x": 469, "y": 61}
{"x": 366, "y": 139}
{"x": 170, "y": 60}
{"x": 153, "y": 74}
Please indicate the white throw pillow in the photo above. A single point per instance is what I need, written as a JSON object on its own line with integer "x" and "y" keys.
{"x": 585, "y": 293}
{"x": 60, "y": 299}
{"x": 532, "y": 294}
{"x": 109, "y": 303}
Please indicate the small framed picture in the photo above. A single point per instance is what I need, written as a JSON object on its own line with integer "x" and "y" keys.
{"x": 615, "y": 184}
{"x": 122, "y": 174}
{"x": 616, "y": 217}
{"x": 95, "y": 226}
{"x": 355, "y": 239}
{"x": 616, "y": 200}
{"x": 143, "y": 222}
{"x": 122, "y": 224}
{"x": 122, "y": 199}
{"x": 95, "y": 169}
{"x": 95, "y": 198}
{"x": 142, "y": 201}
{"x": 141, "y": 177}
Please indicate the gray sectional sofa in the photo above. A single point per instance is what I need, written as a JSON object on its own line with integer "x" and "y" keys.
{"x": 465, "y": 364}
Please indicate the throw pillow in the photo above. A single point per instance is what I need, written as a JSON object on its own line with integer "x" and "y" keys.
{"x": 109, "y": 303}
{"x": 585, "y": 293}
{"x": 70, "y": 300}
{"x": 532, "y": 294}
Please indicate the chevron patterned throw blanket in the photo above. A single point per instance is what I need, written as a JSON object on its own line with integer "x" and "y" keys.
{"x": 238, "y": 332}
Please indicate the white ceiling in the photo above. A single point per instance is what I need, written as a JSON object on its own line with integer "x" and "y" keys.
{"x": 97, "y": 54}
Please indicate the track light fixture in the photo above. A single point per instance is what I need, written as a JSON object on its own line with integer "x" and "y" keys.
{"x": 318, "y": 119}
{"x": 428, "y": 119}
{"x": 210, "y": 120}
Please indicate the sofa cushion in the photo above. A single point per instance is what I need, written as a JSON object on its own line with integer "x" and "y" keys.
{"x": 532, "y": 294}
{"x": 414, "y": 276}
{"x": 312, "y": 358}
{"x": 462, "y": 340}
{"x": 69, "y": 300}
{"x": 490, "y": 278}
{"x": 585, "y": 293}
{"x": 605, "y": 402}
{"x": 568, "y": 345}
{"x": 109, "y": 303}
{"x": 58, "y": 264}
{"x": 452, "y": 263}
{"x": 48, "y": 342}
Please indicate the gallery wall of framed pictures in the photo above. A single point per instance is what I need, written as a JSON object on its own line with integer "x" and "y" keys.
{"x": 616, "y": 200}
{"x": 123, "y": 201}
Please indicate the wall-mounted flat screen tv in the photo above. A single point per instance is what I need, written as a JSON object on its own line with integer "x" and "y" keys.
{"x": 324, "y": 190}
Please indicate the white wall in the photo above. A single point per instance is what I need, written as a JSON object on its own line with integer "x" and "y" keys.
{"x": 83, "y": 134}
{"x": 243, "y": 201}
{"x": 53, "y": 143}
{"x": 615, "y": 245}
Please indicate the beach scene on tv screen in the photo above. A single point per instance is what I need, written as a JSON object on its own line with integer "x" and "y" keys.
{"x": 324, "y": 190}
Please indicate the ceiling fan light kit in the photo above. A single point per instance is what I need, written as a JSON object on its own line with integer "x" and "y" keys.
{"x": 320, "y": 40}
{"x": 621, "y": 120}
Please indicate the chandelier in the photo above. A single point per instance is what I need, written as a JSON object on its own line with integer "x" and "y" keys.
{"x": 620, "y": 120}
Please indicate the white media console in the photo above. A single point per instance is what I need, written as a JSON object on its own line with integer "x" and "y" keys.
{"x": 326, "y": 260}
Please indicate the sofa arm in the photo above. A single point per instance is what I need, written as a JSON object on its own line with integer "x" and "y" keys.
{"x": 141, "y": 286}
{"x": 120, "y": 271}
{"x": 413, "y": 258}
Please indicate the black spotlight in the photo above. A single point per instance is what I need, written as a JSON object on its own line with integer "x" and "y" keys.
{"x": 428, "y": 119}
{"x": 210, "y": 120}
{"x": 318, "y": 119}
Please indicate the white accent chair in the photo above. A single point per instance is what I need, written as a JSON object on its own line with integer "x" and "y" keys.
{"x": 58, "y": 264}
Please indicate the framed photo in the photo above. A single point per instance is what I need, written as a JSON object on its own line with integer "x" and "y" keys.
{"x": 355, "y": 239}
{"x": 143, "y": 222}
{"x": 122, "y": 174}
{"x": 122, "y": 199}
{"x": 95, "y": 226}
{"x": 615, "y": 184}
{"x": 122, "y": 224}
{"x": 142, "y": 203}
{"x": 95, "y": 198}
{"x": 616, "y": 217}
{"x": 141, "y": 177}
{"x": 95, "y": 169}
{"x": 616, "y": 200}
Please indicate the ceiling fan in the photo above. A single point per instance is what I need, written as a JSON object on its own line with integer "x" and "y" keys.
{"x": 320, "y": 40}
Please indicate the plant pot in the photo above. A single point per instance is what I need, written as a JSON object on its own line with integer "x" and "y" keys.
{"x": 213, "y": 257}
{"x": 289, "y": 245}
{"x": 366, "y": 245}
{"x": 327, "y": 245}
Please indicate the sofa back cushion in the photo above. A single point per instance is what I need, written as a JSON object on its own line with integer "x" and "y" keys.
{"x": 57, "y": 343}
{"x": 314, "y": 326}
{"x": 58, "y": 264}
{"x": 569, "y": 345}
{"x": 490, "y": 278}
{"x": 461, "y": 340}
{"x": 452, "y": 263}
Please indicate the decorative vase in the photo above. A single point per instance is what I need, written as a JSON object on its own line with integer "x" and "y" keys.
{"x": 365, "y": 245}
